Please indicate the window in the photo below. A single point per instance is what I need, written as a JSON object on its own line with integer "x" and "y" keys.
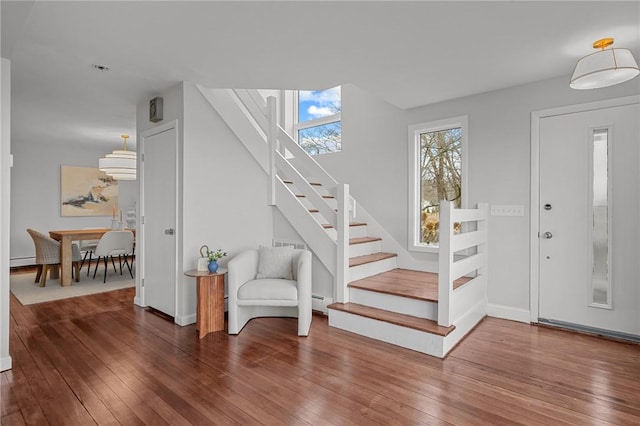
{"x": 437, "y": 169}
{"x": 318, "y": 127}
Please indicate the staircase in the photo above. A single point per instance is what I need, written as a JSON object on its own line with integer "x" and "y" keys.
{"x": 422, "y": 311}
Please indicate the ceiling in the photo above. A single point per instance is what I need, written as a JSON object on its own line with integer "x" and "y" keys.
{"x": 407, "y": 53}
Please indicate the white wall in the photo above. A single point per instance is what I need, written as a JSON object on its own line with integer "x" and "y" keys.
{"x": 222, "y": 188}
{"x": 5, "y": 202}
{"x": 374, "y": 162}
{"x": 35, "y": 190}
{"x": 224, "y": 192}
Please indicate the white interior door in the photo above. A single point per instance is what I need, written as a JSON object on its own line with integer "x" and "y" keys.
{"x": 589, "y": 251}
{"x": 159, "y": 215}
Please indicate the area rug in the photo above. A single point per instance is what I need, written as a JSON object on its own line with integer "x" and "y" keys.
{"x": 27, "y": 292}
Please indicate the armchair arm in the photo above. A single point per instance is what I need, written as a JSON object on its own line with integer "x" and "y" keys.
{"x": 242, "y": 268}
{"x": 303, "y": 268}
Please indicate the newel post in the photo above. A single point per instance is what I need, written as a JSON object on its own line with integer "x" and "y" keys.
{"x": 342, "y": 244}
{"x": 445, "y": 285}
{"x": 272, "y": 140}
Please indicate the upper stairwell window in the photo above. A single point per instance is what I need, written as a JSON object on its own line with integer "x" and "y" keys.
{"x": 318, "y": 127}
{"x": 437, "y": 171}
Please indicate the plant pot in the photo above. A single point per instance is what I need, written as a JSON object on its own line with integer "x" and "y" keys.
{"x": 213, "y": 266}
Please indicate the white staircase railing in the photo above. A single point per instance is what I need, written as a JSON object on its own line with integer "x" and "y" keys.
{"x": 453, "y": 304}
{"x": 255, "y": 123}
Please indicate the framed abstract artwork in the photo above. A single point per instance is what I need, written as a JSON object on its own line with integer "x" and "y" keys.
{"x": 86, "y": 191}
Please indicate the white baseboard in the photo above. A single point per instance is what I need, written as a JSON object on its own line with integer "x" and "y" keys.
{"x": 5, "y": 363}
{"x": 320, "y": 303}
{"x": 185, "y": 319}
{"x": 138, "y": 302}
{"x": 22, "y": 261}
{"x": 509, "y": 313}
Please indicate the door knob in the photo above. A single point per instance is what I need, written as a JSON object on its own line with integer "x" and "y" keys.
{"x": 547, "y": 235}
{"x": 169, "y": 231}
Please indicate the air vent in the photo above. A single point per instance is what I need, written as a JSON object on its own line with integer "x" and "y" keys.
{"x": 286, "y": 243}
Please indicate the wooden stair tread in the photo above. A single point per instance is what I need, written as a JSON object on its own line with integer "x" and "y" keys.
{"x": 417, "y": 285}
{"x": 323, "y": 196}
{"x": 327, "y": 226}
{"x": 368, "y": 258}
{"x": 402, "y": 320}
{"x": 363, "y": 240}
{"x": 318, "y": 211}
{"x": 310, "y": 183}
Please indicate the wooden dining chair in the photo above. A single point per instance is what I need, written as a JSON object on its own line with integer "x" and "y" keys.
{"x": 48, "y": 253}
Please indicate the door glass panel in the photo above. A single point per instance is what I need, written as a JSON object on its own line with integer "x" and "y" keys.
{"x": 601, "y": 283}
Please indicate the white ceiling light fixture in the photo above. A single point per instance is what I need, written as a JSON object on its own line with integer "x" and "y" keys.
{"x": 605, "y": 67}
{"x": 120, "y": 164}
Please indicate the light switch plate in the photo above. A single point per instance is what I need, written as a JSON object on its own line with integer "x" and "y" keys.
{"x": 507, "y": 210}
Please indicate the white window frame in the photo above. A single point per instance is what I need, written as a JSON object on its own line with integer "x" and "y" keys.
{"x": 415, "y": 130}
{"x": 297, "y": 126}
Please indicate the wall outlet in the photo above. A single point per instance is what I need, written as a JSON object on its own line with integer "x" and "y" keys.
{"x": 507, "y": 210}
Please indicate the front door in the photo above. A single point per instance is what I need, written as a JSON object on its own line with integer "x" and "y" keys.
{"x": 589, "y": 251}
{"x": 159, "y": 215}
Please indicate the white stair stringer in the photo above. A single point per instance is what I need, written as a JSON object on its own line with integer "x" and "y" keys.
{"x": 421, "y": 341}
{"x": 390, "y": 302}
{"x": 228, "y": 107}
{"x": 323, "y": 246}
{"x": 372, "y": 268}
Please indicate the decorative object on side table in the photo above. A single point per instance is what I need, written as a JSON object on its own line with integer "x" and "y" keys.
{"x": 203, "y": 260}
{"x": 214, "y": 256}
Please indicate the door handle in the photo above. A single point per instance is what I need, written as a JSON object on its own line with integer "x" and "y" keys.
{"x": 169, "y": 231}
{"x": 547, "y": 235}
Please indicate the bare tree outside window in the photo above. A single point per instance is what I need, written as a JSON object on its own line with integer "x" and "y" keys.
{"x": 440, "y": 178}
{"x": 321, "y": 139}
{"x": 319, "y": 126}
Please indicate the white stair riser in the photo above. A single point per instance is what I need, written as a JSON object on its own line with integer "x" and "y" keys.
{"x": 409, "y": 338}
{"x": 354, "y": 232}
{"x": 364, "y": 248}
{"x": 390, "y": 302}
{"x": 372, "y": 268}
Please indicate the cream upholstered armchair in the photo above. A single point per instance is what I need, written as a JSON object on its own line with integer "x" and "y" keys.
{"x": 270, "y": 282}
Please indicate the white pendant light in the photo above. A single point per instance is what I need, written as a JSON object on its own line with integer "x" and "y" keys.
{"x": 605, "y": 67}
{"x": 120, "y": 164}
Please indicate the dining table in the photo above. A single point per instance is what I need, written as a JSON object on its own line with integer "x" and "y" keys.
{"x": 66, "y": 238}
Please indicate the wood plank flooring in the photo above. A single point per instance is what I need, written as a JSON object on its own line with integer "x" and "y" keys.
{"x": 100, "y": 360}
{"x": 406, "y": 283}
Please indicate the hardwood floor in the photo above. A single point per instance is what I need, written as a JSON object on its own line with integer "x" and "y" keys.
{"x": 100, "y": 360}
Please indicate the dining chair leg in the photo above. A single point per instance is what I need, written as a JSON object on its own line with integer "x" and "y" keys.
{"x": 76, "y": 266}
{"x": 113, "y": 262}
{"x": 120, "y": 262}
{"x": 89, "y": 267}
{"x": 43, "y": 278}
{"x": 96, "y": 270}
{"x": 126, "y": 262}
{"x": 38, "y": 274}
{"x": 105, "y": 268}
{"x": 86, "y": 253}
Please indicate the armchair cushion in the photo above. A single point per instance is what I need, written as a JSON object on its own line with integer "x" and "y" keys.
{"x": 275, "y": 262}
{"x": 268, "y": 289}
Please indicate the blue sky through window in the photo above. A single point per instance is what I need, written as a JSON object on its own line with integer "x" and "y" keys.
{"x": 313, "y": 104}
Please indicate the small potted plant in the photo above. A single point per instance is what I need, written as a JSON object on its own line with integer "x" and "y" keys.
{"x": 214, "y": 256}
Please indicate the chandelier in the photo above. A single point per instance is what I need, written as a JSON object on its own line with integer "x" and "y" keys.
{"x": 605, "y": 67}
{"x": 120, "y": 164}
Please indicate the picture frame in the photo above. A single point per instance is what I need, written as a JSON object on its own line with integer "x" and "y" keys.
{"x": 86, "y": 191}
